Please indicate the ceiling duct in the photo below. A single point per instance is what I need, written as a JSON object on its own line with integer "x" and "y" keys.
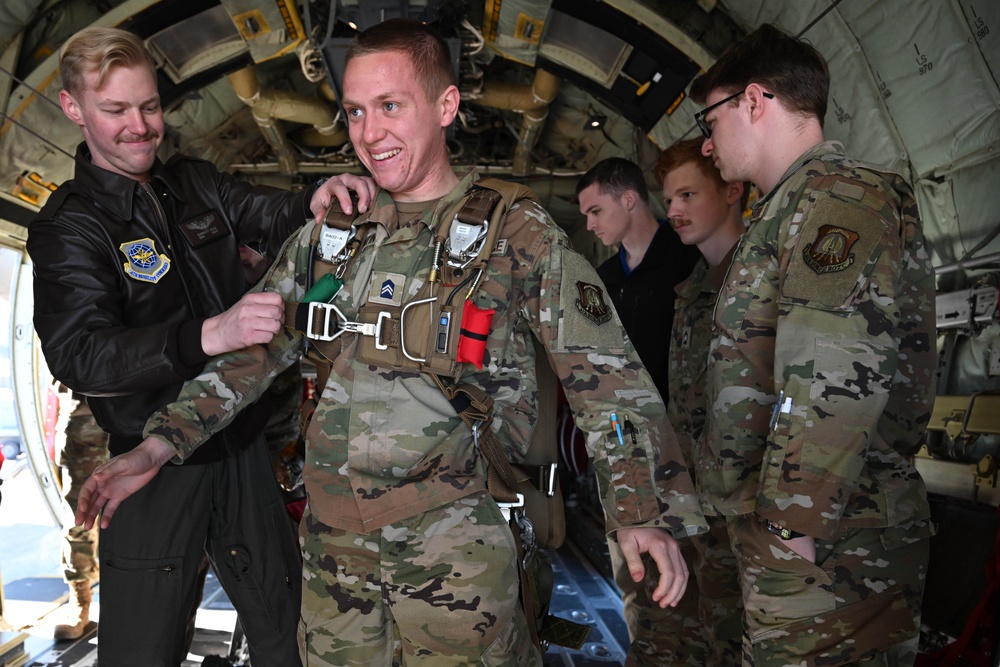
{"x": 531, "y": 100}
{"x": 270, "y": 105}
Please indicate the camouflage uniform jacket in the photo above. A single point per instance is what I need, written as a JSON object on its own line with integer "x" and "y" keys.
{"x": 689, "y": 339}
{"x": 386, "y": 445}
{"x": 822, "y": 362}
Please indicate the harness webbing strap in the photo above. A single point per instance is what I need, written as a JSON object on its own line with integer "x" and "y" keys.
{"x": 479, "y": 209}
{"x": 475, "y": 408}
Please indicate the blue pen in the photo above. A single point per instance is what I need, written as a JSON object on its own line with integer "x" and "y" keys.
{"x": 618, "y": 429}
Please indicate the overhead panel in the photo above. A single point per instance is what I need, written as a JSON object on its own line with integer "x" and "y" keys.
{"x": 364, "y": 14}
{"x": 983, "y": 17}
{"x": 513, "y": 28}
{"x": 616, "y": 58}
{"x": 271, "y": 28}
{"x": 196, "y": 44}
{"x": 928, "y": 69}
{"x": 601, "y": 61}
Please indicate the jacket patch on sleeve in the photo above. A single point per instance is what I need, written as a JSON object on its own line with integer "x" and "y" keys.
{"x": 591, "y": 303}
{"x": 144, "y": 263}
{"x": 831, "y": 250}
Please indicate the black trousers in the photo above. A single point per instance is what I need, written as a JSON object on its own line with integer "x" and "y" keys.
{"x": 150, "y": 553}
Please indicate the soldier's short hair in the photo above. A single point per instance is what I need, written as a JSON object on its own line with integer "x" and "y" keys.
{"x": 615, "y": 176}
{"x": 426, "y": 49}
{"x": 682, "y": 152}
{"x": 689, "y": 150}
{"x": 99, "y": 49}
{"x": 787, "y": 66}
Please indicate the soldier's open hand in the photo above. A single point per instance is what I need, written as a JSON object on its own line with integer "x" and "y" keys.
{"x": 114, "y": 481}
{"x": 666, "y": 553}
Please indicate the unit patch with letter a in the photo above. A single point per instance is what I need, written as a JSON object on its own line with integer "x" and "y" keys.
{"x": 591, "y": 303}
{"x": 831, "y": 251}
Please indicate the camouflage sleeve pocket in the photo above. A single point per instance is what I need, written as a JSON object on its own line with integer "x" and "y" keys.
{"x": 833, "y": 255}
{"x": 631, "y": 481}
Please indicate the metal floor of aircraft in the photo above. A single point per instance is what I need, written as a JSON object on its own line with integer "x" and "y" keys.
{"x": 582, "y": 594}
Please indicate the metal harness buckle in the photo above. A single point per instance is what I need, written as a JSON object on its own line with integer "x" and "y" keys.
{"x": 505, "y": 508}
{"x": 331, "y": 316}
{"x": 402, "y": 327}
{"x": 465, "y": 241}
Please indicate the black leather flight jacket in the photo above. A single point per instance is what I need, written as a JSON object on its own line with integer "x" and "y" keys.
{"x": 126, "y": 273}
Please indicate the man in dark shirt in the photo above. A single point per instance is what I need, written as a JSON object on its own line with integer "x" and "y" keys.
{"x": 650, "y": 261}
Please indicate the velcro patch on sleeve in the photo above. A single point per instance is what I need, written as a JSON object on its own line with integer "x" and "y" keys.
{"x": 588, "y": 319}
{"x": 837, "y": 246}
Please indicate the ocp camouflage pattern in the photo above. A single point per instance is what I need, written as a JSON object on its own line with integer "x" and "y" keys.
{"x": 385, "y": 445}
{"x": 706, "y": 628}
{"x": 690, "y": 337}
{"x": 80, "y": 446}
{"x": 830, "y": 300}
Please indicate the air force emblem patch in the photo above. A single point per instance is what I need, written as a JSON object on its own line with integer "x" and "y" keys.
{"x": 144, "y": 263}
{"x": 591, "y": 303}
{"x": 832, "y": 249}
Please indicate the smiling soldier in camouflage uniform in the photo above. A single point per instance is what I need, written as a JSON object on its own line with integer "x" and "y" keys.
{"x": 408, "y": 559}
{"x": 820, "y": 378}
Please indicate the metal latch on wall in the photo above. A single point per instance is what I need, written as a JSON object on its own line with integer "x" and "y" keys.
{"x": 986, "y": 472}
{"x": 966, "y": 417}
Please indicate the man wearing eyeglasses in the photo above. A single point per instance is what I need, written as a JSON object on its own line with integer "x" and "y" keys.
{"x": 820, "y": 376}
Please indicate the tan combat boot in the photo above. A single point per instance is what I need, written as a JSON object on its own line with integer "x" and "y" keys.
{"x": 78, "y": 612}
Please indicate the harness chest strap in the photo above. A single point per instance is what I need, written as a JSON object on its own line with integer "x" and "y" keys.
{"x": 487, "y": 203}
{"x": 422, "y": 334}
{"x": 324, "y": 323}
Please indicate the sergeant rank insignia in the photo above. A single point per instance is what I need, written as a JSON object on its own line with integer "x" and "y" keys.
{"x": 591, "y": 303}
{"x": 144, "y": 263}
{"x": 832, "y": 250}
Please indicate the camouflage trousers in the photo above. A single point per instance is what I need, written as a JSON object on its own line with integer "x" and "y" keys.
{"x": 81, "y": 446}
{"x": 858, "y": 605}
{"x": 439, "y": 589}
{"x": 705, "y": 629}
